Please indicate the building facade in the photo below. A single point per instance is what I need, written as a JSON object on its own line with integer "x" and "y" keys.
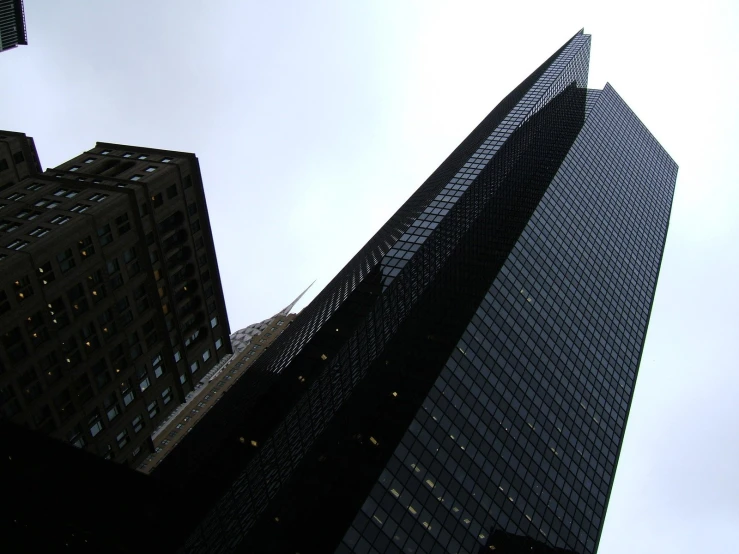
{"x": 111, "y": 308}
{"x": 468, "y": 374}
{"x": 12, "y": 24}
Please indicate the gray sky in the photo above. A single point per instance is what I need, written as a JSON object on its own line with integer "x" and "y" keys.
{"x": 314, "y": 120}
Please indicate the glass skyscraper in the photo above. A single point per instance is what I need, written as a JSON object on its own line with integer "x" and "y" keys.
{"x": 463, "y": 384}
{"x": 468, "y": 374}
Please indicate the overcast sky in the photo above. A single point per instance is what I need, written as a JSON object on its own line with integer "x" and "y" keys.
{"x": 314, "y": 120}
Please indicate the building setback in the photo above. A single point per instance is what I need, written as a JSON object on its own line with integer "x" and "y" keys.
{"x": 12, "y": 24}
{"x": 463, "y": 383}
{"x": 111, "y": 307}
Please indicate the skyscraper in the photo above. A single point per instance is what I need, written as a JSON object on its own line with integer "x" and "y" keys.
{"x": 12, "y": 24}
{"x": 468, "y": 374}
{"x": 111, "y": 307}
{"x": 462, "y": 385}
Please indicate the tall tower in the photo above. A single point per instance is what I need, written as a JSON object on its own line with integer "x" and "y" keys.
{"x": 466, "y": 378}
{"x": 12, "y": 24}
{"x": 111, "y": 307}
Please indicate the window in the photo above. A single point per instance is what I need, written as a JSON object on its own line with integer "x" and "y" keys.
{"x": 98, "y": 197}
{"x": 123, "y": 224}
{"x": 105, "y": 235}
{"x": 104, "y": 152}
{"x": 60, "y": 219}
{"x": 79, "y": 208}
{"x": 138, "y": 423}
{"x": 219, "y": 344}
{"x": 27, "y": 214}
{"x": 89, "y": 160}
{"x": 74, "y": 168}
{"x": 177, "y": 356}
{"x": 46, "y": 273}
{"x": 39, "y": 232}
{"x": 128, "y": 155}
{"x": 153, "y": 409}
{"x": 17, "y": 244}
{"x": 122, "y": 438}
{"x": 16, "y": 196}
{"x": 143, "y": 385}
{"x": 195, "y": 226}
{"x": 167, "y": 395}
{"x": 136, "y": 177}
{"x": 143, "y": 157}
{"x": 75, "y": 436}
{"x": 150, "y": 169}
{"x": 85, "y": 247}
{"x": 23, "y": 288}
{"x": 18, "y": 157}
{"x": 95, "y": 424}
{"x": 157, "y": 200}
{"x": 127, "y": 394}
{"x": 66, "y": 260}
{"x": 206, "y": 355}
{"x": 112, "y": 409}
{"x": 194, "y": 366}
{"x": 213, "y": 322}
{"x": 112, "y": 266}
{"x": 8, "y": 226}
{"x": 66, "y": 193}
{"x": 34, "y": 187}
{"x": 166, "y": 160}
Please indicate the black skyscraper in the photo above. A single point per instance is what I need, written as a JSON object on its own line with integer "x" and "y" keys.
{"x": 470, "y": 371}
{"x": 463, "y": 384}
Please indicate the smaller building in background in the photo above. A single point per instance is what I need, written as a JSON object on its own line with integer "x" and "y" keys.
{"x": 111, "y": 306}
{"x": 248, "y": 344}
{"x": 12, "y": 24}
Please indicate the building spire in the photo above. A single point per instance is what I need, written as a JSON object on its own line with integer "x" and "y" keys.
{"x": 289, "y": 307}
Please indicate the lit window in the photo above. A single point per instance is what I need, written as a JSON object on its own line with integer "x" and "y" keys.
{"x": 60, "y": 220}
{"x": 127, "y": 155}
{"x": 89, "y": 160}
{"x": 17, "y": 245}
{"x": 219, "y": 344}
{"x": 206, "y": 355}
{"x": 166, "y": 160}
{"x": 143, "y": 157}
{"x": 79, "y": 208}
{"x": 177, "y": 356}
{"x": 74, "y": 168}
{"x": 98, "y": 197}
{"x": 16, "y": 196}
{"x": 34, "y": 187}
{"x": 214, "y": 322}
{"x": 194, "y": 366}
{"x": 105, "y": 152}
{"x": 39, "y": 232}
{"x": 136, "y": 178}
{"x": 151, "y": 169}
